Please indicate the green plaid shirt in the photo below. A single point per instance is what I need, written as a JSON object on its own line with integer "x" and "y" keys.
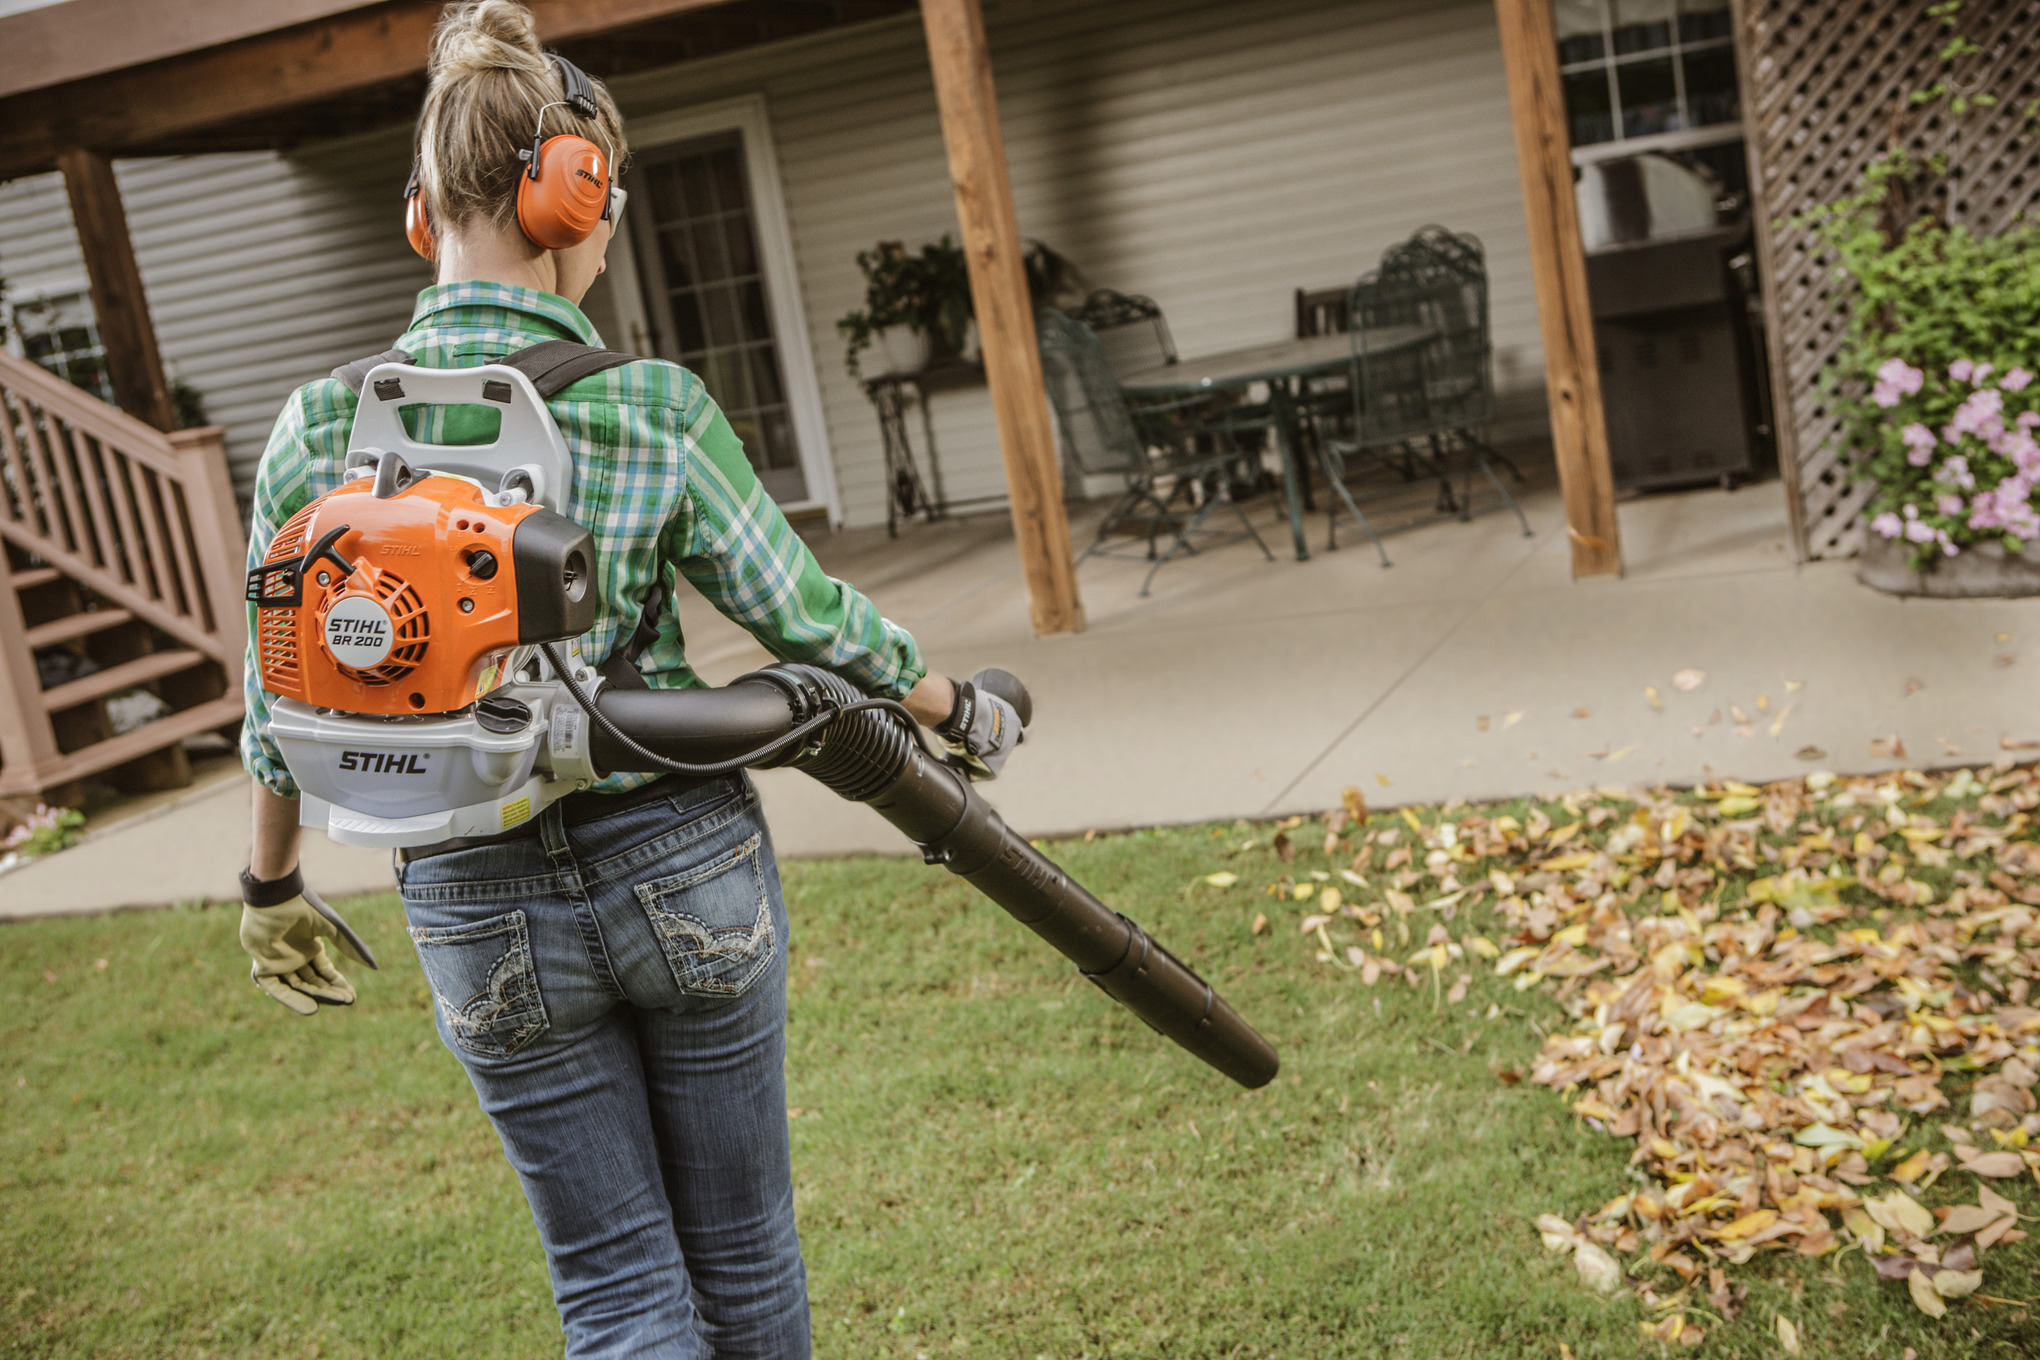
{"x": 660, "y": 479}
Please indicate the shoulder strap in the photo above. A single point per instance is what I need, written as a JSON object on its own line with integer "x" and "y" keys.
{"x": 552, "y": 365}
{"x": 356, "y": 373}
{"x": 555, "y": 365}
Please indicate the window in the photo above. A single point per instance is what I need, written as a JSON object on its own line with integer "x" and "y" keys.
{"x": 1642, "y": 68}
{"x": 60, "y": 332}
{"x": 705, "y": 286}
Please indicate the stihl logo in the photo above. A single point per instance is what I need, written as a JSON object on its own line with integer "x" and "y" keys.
{"x": 398, "y": 550}
{"x": 384, "y": 762}
{"x": 357, "y": 632}
{"x": 590, "y": 178}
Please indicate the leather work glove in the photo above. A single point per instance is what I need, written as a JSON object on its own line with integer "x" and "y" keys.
{"x": 284, "y": 927}
{"x": 983, "y": 728}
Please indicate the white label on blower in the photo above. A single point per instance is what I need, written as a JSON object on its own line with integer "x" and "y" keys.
{"x": 359, "y": 632}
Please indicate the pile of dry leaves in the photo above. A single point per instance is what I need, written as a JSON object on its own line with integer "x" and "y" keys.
{"x": 1805, "y": 1003}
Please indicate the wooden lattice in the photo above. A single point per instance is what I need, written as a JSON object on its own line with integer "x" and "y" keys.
{"x": 1828, "y": 85}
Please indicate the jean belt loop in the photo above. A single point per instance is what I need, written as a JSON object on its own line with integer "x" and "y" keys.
{"x": 552, "y": 834}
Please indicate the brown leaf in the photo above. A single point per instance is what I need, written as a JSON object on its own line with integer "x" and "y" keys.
{"x": 1355, "y": 804}
{"x": 1996, "y": 1164}
{"x": 1260, "y": 923}
{"x": 1285, "y": 848}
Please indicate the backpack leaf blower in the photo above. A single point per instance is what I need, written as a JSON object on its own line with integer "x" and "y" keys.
{"x": 418, "y": 625}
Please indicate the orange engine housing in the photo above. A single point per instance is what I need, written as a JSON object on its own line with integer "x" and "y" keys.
{"x": 425, "y": 621}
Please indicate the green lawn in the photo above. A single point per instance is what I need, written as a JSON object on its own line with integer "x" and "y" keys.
{"x": 992, "y": 1160}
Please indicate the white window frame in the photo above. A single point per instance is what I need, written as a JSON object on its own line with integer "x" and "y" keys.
{"x": 747, "y": 116}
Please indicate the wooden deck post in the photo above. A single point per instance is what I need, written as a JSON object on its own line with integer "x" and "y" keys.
{"x": 1005, "y": 315}
{"x": 1572, "y": 377}
{"x": 121, "y": 308}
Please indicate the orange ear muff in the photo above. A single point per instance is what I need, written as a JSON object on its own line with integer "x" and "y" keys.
{"x": 417, "y": 228}
{"x": 563, "y": 192}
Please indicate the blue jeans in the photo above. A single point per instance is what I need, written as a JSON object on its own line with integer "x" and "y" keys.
{"x": 617, "y": 994}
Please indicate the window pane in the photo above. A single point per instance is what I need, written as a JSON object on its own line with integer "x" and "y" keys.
{"x": 720, "y": 306}
{"x": 728, "y": 173}
{"x": 1579, "y": 30}
{"x": 1710, "y": 86}
{"x": 765, "y": 375}
{"x": 707, "y": 240}
{"x": 688, "y": 320}
{"x": 1587, "y": 107}
{"x": 1702, "y": 20}
{"x": 1650, "y": 101}
{"x": 695, "y": 183}
{"x": 673, "y": 258}
{"x": 743, "y": 250}
{"x": 751, "y": 298}
{"x": 668, "y": 204}
{"x": 1642, "y": 26}
{"x": 778, "y": 437}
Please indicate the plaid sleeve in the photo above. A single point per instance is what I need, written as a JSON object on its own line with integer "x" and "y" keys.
{"x": 283, "y": 486}
{"x": 733, "y": 545}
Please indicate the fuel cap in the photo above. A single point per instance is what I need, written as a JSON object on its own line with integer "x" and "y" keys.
{"x": 500, "y": 715}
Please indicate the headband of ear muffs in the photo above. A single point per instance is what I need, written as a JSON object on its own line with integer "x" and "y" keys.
{"x": 563, "y": 188}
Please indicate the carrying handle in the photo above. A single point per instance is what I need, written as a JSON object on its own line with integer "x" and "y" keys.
{"x": 527, "y": 439}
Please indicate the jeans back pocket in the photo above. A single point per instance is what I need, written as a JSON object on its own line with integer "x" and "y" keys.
{"x": 484, "y": 982}
{"x": 714, "y": 922}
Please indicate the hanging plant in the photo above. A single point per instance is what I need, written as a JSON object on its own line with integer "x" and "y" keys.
{"x": 927, "y": 292}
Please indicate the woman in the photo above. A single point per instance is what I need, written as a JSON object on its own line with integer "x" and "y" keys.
{"x": 612, "y": 975}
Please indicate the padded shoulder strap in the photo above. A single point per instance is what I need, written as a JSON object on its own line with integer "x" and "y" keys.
{"x": 356, "y": 373}
{"x": 552, "y": 365}
{"x": 555, "y": 365}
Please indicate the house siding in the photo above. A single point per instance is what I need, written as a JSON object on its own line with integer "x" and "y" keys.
{"x": 1211, "y": 154}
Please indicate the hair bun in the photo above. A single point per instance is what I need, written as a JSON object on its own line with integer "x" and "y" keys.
{"x": 485, "y": 35}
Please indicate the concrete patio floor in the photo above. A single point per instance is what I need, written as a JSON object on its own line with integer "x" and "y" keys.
{"x": 1242, "y": 688}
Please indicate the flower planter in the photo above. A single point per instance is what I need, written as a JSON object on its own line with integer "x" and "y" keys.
{"x": 903, "y": 351}
{"x": 1983, "y": 570}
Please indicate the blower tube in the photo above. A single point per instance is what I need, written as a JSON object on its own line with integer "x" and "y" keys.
{"x": 874, "y": 756}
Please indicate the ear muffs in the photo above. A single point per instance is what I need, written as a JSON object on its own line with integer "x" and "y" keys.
{"x": 417, "y": 229}
{"x": 563, "y": 193}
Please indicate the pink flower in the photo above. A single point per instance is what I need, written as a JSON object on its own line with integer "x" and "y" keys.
{"x": 2028, "y": 420}
{"x": 2016, "y": 380}
{"x": 1896, "y": 380}
{"x": 1982, "y": 414}
{"x": 1983, "y": 371}
{"x": 1961, "y": 369}
{"x": 1888, "y": 524}
{"x": 1955, "y": 472}
{"x": 1948, "y": 503}
{"x": 1919, "y": 531}
{"x": 1920, "y": 440}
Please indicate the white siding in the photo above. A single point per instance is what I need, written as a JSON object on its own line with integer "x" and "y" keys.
{"x": 1213, "y": 154}
{"x": 262, "y": 270}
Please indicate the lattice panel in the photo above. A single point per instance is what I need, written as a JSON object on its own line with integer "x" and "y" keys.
{"x": 1827, "y": 84}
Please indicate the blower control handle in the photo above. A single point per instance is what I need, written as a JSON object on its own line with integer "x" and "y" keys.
{"x": 874, "y": 756}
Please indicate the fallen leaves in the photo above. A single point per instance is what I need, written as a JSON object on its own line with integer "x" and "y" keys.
{"x": 1688, "y": 680}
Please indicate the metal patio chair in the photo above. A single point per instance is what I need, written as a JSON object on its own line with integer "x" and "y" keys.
{"x": 1417, "y": 407}
{"x": 1146, "y": 446}
{"x": 1131, "y": 331}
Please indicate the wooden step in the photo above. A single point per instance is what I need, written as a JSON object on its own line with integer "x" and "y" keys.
{"x": 76, "y": 626}
{"x": 36, "y": 576}
{"x": 116, "y": 678}
{"x": 120, "y": 750}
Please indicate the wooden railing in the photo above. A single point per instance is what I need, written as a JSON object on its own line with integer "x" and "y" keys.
{"x": 121, "y": 546}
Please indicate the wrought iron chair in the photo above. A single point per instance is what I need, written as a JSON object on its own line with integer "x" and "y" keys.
{"x": 1131, "y": 331}
{"x": 1417, "y": 406}
{"x": 1104, "y": 435}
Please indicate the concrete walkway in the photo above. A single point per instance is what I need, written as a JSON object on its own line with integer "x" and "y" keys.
{"x": 1475, "y": 666}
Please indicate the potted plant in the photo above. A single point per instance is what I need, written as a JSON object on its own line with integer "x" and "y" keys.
{"x": 1935, "y": 389}
{"x": 916, "y": 306}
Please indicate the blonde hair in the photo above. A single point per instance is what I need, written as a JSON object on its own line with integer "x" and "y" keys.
{"x": 489, "y": 81}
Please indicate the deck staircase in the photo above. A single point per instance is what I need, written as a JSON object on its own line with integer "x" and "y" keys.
{"x": 120, "y": 553}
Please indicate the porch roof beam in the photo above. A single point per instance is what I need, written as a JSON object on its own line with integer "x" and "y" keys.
{"x": 135, "y": 108}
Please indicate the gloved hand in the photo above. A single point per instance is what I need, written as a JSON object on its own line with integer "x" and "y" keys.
{"x": 982, "y": 729}
{"x": 284, "y": 927}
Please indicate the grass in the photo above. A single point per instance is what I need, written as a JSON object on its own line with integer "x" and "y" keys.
{"x": 992, "y": 1160}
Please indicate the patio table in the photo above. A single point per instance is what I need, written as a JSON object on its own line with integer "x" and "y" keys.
{"x": 1282, "y": 365}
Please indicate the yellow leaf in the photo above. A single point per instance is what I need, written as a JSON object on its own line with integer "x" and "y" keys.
{"x": 1483, "y": 946}
{"x": 1579, "y": 859}
{"x": 1597, "y": 1268}
{"x": 1748, "y": 1225}
{"x": 1738, "y": 806}
{"x": 1571, "y": 935}
{"x": 1411, "y": 818}
{"x": 1912, "y": 1168}
{"x": 1957, "y": 1284}
{"x": 1788, "y": 1336}
{"x": 1303, "y": 892}
{"x": 1260, "y": 922}
{"x": 1224, "y": 878}
{"x": 1329, "y": 899}
{"x": 1525, "y": 981}
{"x": 1310, "y": 923}
{"x": 1924, "y": 1296}
{"x": 1515, "y": 959}
{"x": 1355, "y": 804}
{"x": 1383, "y": 780}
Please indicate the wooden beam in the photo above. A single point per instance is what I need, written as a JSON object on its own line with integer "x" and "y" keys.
{"x": 1558, "y": 265}
{"x": 1005, "y": 314}
{"x": 136, "y": 106}
{"x": 118, "y": 302}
